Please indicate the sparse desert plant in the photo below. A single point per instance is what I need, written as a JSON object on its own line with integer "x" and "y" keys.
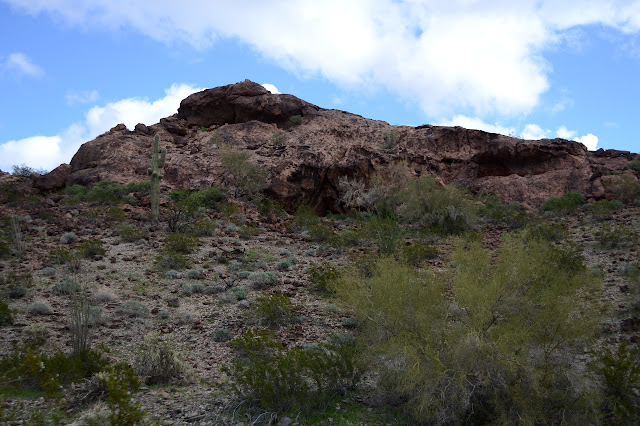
{"x": 385, "y": 232}
{"x": 40, "y": 308}
{"x": 245, "y": 178}
{"x": 66, "y": 287}
{"x": 119, "y": 382}
{"x": 562, "y": 206}
{"x": 390, "y": 138}
{"x": 493, "y": 210}
{"x": 17, "y": 238}
{"x": 237, "y": 293}
{"x": 6, "y": 318}
{"x": 626, "y": 187}
{"x": 262, "y": 280}
{"x": 620, "y": 371}
{"x": 91, "y": 249}
{"x": 278, "y": 139}
{"x": 602, "y": 209}
{"x": 446, "y": 210}
{"x": 158, "y": 363}
{"x": 221, "y": 335}
{"x": 634, "y": 165}
{"x": 181, "y": 243}
{"x": 155, "y": 173}
{"x": 295, "y": 120}
{"x": 25, "y": 171}
{"x": 545, "y": 231}
{"x": 103, "y": 296}
{"x": 418, "y": 253}
{"x": 323, "y": 277}
{"x": 180, "y": 215}
{"x": 68, "y": 238}
{"x": 48, "y": 271}
{"x": 80, "y": 317}
{"x": 614, "y": 236}
{"x": 274, "y": 310}
{"x": 134, "y": 308}
{"x": 36, "y": 334}
{"x": 130, "y": 233}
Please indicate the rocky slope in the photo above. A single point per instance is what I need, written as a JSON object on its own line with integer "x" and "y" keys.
{"x": 306, "y": 161}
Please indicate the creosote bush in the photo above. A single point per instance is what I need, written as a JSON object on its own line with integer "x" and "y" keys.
{"x": 158, "y": 363}
{"x": 274, "y": 310}
{"x": 489, "y": 342}
{"x": 626, "y": 187}
{"x": 245, "y": 178}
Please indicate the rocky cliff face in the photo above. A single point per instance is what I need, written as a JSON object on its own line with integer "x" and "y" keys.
{"x": 305, "y": 168}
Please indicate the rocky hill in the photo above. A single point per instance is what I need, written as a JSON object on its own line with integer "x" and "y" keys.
{"x": 307, "y": 158}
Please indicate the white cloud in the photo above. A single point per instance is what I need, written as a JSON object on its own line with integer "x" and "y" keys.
{"x": 271, "y": 88}
{"x": 471, "y": 55}
{"x": 82, "y": 96}
{"x": 589, "y": 140}
{"x": 533, "y": 132}
{"x": 20, "y": 64}
{"x": 563, "y": 133}
{"x": 48, "y": 152}
{"x": 476, "y": 123}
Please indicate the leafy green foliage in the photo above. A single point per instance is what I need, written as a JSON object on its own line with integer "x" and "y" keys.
{"x": 385, "y": 232}
{"x": 620, "y": 371}
{"x": 274, "y": 310}
{"x": 445, "y": 210}
{"x": 562, "y": 206}
{"x": 181, "y": 243}
{"x": 282, "y": 379}
{"x": 245, "y": 178}
{"x": 5, "y": 314}
{"x": 109, "y": 193}
{"x": 491, "y": 342}
{"x": 493, "y": 210}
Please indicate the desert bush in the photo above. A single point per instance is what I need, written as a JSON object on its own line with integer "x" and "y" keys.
{"x": 80, "y": 317}
{"x": 15, "y": 284}
{"x": 130, "y": 233}
{"x": 280, "y": 379}
{"x": 295, "y": 120}
{"x": 180, "y": 215}
{"x": 208, "y": 198}
{"x": 66, "y": 287}
{"x": 103, "y": 296}
{"x": 245, "y": 178}
{"x": 418, "y": 253}
{"x": 602, "y": 209}
{"x": 221, "y": 335}
{"x": 157, "y": 363}
{"x": 322, "y": 277}
{"x": 61, "y": 256}
{"x": 16, "y": 236}
{"x": 6, "y": 318}
{"x": 620, "y": 372}
{"x": 68, "y": 238}
{"x": 562, "y": 206}
{"x": 40, "y": 308}
{"x": 626, "y": 187}
{"x": 119, "y": 383}
{"x": 274, "y": 310}
{"x": 195, "y": 274}
{"x": 262, "y": 280}
{"x": 493, "y": 210}
{"x": 545, "y": 231}
{"x": 25, "y": 171}
{"x": 91, "y": 249}
{"x": 445, "y": 210}
{"x": 48, "y": 271}
{"x": 238, "y": 293}
{"x": 497, "y": 346}
{"x": 278, "y": 139}
{"x": 385, "y": 232}
{"x": 77, "y": 192}
{"x": 108, "y": 193}
{"x": 181, "y": 243}
{"x": 634, "y": 165}
{"x": 133, "y": 308}
{"x": 613, "y": 236}
{"x": 36, "y": 334}
{"x": 390, "y": 138}
{"x": 284, "y": 265}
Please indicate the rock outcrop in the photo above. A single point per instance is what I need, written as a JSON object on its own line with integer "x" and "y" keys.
{"x": 306, "y": 161}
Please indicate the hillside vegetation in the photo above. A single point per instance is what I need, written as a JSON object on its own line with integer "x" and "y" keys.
{"x": 423, "y": 304}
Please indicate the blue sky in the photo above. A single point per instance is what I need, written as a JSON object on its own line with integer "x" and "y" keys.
{"x": 72, "y": 69}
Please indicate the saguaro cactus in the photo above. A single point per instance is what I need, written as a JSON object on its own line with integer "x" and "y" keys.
{"x": 155, "y": 172}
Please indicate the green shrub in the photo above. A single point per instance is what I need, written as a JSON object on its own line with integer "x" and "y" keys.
{"x": 496, "y": 343}
{"x": 602, "y": 209}
{"x": 208, "y": 198}
{"x": 418, "y": 253}
{"x": 391, "y": 138}
{"x": 282, "y": 379}
{"x": 493, "y": 210}
{"x": 77, "y": 192}
{"x": 130, "y": 233}
{"x": 133, "y": 308}
{"x": 157, "y": 363}
{"x": 91, "y": 249}
{"x": 66, "y": 287}
{"x": 274, "y": 310}
{"x": 238, "y": 293}
{"x": 142, "y": 188}
{"x": 278, "y": 139}
{"x": 323, "y": 276}
{"x": 620, "y": 371}
{"x": 168, "y": 259}
{"x": 221, "y": 335}
{"x": 245, "y": 178}
{"x": 61, "y": 256}
{"x": 262, "y": 280}
{"x": 25, "y": 171}
{"x": 181, "y": 243}
{"x": 68, "y": 238}
{"x": 634, "y": 165}
{"x": 40, "y": 308}
{"x": 626, "y": 187}
{"x": 108, "y": 193}
{"x": 5, "y": 314}
{"x": 385, "y": 232}
{"x": 562, "y": 206}
{"x": 295, "y": 120}
{"x": 616, "y": 236}
{"x": 180, "y": 215}
{"x": 545, "y": 231}
{"x": 119, "y": 382}
{"x": 445, "y": 210}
